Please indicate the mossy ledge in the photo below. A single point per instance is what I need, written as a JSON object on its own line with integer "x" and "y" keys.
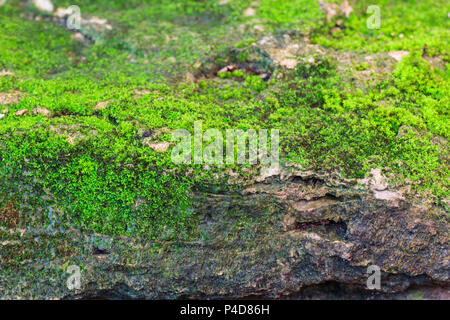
{"x": 86, "y": 176}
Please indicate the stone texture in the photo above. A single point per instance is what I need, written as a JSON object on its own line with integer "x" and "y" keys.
{"x": 294, "y": 234}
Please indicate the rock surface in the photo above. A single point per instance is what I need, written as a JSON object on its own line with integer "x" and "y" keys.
{"x": 293, "y": 234}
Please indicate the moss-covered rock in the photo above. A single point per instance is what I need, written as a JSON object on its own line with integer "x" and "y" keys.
{"x": 85, "y": 141}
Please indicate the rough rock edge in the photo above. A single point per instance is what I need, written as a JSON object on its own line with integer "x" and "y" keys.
{"x": 300, "y": 229}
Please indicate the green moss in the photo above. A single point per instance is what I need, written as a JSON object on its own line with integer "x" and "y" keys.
{"x": 296, "y": 14}
{"x": 405, "y": 25}
{"x": 91, "y": 165}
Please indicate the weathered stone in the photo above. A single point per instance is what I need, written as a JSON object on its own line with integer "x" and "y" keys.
{"x": 289, "y": 246}
{"x": 44, "y": 5}
{"x": 158, "y": 146}
{"x": 10, "y": 97}
{"x": 21, "y": 112}
{"x": 42, "y": 111}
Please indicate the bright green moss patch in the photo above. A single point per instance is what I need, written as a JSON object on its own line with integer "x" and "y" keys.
{"x": 103, "y": 182}
{"x": 297, "y": 14}
{"x": 33, "y": 48}
{"x": 405, "y": 25}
